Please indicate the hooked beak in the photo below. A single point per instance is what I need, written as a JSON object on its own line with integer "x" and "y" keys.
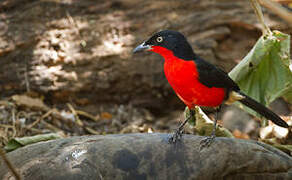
{"x": 142, "y": 47}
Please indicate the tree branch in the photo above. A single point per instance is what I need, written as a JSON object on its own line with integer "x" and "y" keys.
{"x": 9, "y": 165}
{"x": 257, "y": 9}
{"x": 278, "y": 9}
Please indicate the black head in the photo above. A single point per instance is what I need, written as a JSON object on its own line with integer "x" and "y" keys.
{"x": 171, "y": 40}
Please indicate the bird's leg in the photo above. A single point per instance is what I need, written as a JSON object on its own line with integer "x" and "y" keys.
{"x": 208, "y": 140}
{"x": 179, "y": 131}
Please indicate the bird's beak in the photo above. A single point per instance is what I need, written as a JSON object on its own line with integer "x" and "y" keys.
{"x": 142, "y": 47}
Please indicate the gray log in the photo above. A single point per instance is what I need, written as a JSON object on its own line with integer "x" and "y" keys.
{"x": 148, "y": 156}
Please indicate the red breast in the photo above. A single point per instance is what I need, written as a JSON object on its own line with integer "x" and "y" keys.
{"x": 182, "y": 75}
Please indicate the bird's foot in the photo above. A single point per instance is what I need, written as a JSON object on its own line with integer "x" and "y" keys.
{"x": 207, "y": 141}
{"x": 176, "y": 136}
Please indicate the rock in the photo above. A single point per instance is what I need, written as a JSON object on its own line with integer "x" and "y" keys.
{"x": 148, "y": 156}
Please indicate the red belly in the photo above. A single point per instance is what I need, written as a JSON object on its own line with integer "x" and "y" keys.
{"x": 183, "y": 77}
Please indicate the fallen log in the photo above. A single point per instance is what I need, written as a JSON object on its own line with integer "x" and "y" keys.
{"x": 148, "y": 156}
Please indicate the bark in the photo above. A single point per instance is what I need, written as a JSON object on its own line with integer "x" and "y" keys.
{"x": 148, "y": 156}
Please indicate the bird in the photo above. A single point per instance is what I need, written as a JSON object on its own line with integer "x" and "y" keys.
{"x": 197, "y": 82}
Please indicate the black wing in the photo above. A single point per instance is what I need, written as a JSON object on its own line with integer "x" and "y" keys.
{"x": 211, "y": 76}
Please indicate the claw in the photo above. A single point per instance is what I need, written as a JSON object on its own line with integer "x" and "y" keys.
{"x": 176, "y": 136}
{"x": 207, "y": 141}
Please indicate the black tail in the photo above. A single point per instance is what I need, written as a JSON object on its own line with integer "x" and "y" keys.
{"x": 262, "y": 110}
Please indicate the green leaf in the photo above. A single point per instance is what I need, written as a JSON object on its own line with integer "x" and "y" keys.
{"x": 203, "y": 125}
{"x": 12, "y": 145}
{"x": 23, "y": 141}
{"x": 264, "y": 73}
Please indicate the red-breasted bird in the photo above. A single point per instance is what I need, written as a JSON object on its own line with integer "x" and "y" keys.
{"x": 197, "y": 82}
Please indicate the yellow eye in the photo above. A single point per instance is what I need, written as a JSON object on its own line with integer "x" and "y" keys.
{"x": 159, "y": 39}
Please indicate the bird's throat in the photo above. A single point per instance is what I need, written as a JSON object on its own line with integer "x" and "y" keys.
{"x": 165, "y": 53}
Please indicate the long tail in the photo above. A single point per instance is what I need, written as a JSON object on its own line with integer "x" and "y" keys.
{"x": 262, "y": 110}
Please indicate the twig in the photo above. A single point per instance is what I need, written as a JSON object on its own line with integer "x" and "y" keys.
{"x": 82, "y": 113}
{"x": 257, "y": 9}
{"x": 51, "y": 127}
{"x": 39, "y": 119}
{"x": 78, "y": 121}
{"x": 6, "y": 126}
{"x": 92, "y": 131}
{"x": 56, "y": 114}
{"x": 278, "y": 9}
{"x": 34, "y": 130}
{"x": 9, "y": 165}
{"x": 14, "y": 122}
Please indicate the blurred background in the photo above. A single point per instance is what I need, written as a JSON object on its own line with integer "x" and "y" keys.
{"x": 66, "y": 66}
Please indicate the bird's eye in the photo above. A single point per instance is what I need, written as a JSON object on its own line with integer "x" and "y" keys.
{"x": 159, "y": 39}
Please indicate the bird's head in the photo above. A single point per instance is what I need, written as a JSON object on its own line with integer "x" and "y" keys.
{"x": 167, "y": 43}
